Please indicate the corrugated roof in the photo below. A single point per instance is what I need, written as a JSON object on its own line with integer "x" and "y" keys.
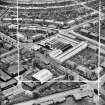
{"x": 43, "y": 75}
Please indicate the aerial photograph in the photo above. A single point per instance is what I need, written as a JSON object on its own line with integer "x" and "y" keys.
{"x": 52, "y": 52}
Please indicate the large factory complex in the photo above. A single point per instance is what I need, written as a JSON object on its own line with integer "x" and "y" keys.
{"x": 52, "y": 52}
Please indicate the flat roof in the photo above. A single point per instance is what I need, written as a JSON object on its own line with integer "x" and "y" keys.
{"x": 4, "y": 76}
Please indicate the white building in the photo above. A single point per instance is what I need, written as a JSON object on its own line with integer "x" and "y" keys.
{"x": 43, "y": 75}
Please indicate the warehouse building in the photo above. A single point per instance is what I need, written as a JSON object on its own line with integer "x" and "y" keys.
{"x": 43, "y": 76}
{"x": 71, "y": 52}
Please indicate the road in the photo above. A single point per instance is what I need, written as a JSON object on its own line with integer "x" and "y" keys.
{"x": 51, "y": 97}
{"x": 89, "y": 40}
{"x": 47, "y": 7}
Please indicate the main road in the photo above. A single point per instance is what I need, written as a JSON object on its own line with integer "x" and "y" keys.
{"x": 56, "y": 96}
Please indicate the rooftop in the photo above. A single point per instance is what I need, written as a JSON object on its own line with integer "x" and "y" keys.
{"x": 43, "y": 75}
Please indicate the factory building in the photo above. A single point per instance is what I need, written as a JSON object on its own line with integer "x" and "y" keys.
{"x": 55, "y": 53}
{"x": 13, "y": 70}
{"x": 71, "y": 52}
{"x": 4, "y": 76}
{"x": 35, "y": 47}
{"x": 43, "y": 76}
{"x": 8, "y": 39}
{"x": 8, "y": 84}
{"x": 71, "y": 22}
{"x": 84, "y": 91}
